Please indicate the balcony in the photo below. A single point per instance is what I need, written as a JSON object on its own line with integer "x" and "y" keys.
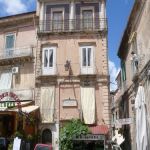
{"x": 13, "y": 55}
{"x": 75, "y": 25}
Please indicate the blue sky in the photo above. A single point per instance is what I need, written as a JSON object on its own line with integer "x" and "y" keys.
{"x": 117, "y": 13}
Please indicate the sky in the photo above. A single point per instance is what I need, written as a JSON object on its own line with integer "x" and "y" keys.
{"x": 117, "y": 12}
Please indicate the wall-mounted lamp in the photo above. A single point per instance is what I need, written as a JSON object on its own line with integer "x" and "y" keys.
{"x": 67, "y": 65}
{"x": 135, "y": 59}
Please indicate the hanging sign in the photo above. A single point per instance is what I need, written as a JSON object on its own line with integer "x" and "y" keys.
{"x": 124, "y": 121}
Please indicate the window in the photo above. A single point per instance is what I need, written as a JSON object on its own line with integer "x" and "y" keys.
{"x": 49, "y": 60}
{"x": 123, "y": 71}
{"x": 87, "y": 19}
{"x": 87, "y": 59}
{"x": 57, "y": 20}
{"x": 5, "y": 80}
{"x": 9, "y": 44}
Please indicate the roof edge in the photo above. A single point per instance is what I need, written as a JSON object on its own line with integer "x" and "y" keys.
{"x": 125, "y": 33}
{"x": 18, "y": 15}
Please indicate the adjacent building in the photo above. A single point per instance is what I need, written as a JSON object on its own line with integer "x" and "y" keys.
{"x": 134, "y": 53}
{"x": 17, "y": 73}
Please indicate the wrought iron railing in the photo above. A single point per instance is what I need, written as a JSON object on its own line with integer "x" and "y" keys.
{"x": 16, "y": 53}
{"x": 74, "y": 25}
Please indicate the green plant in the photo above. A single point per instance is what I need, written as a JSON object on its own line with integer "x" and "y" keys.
{"x": 29, "y": 137}
{"x": 10, "y": 146}
{"x": 70, "y": 130}
{"x": 18, "y": 134}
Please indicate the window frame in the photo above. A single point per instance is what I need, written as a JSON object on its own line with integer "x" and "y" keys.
{"x": 48, "y": 70}
{"x": 10, "y": 34}
{"x": 89, "y": 69}
{"x": 53, "y": 10}
{"x": 123, "y": 71}
{"x": 81, "y": 15}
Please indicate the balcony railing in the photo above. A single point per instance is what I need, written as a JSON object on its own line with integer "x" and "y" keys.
{"x": 75, "y": 25}
{"x": 16, "y": 53}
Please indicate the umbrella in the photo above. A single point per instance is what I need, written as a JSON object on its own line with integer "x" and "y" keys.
{"x": 141, "y": 121}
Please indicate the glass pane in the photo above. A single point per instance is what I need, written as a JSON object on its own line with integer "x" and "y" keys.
{"x": 123, "y": 71}
{"x": 51, "y": 58}
{"x": 89, "y": 57}
{"x": 57, "y": 20}
{"x": 45, "y": 58}
{"x": 9, "y": 42}
{"x": 84, "y": 57}
{"x": 87, "y": 19}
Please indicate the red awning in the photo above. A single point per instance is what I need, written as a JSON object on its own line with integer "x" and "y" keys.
{"x": 99, "y": 129}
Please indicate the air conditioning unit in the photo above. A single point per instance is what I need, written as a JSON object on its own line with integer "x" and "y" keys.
{"x": 15, "y": 70}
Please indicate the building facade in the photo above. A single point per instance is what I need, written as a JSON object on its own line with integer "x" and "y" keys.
{"x": 17, "y": 73}
{"x": 55, "y": 60}
{"x": 72, "y": 64}
{"x": 134, "y": 54}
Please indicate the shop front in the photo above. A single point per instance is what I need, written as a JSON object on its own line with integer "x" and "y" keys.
{"x": 17, "y": 114}
{"x": 96, "y": 140}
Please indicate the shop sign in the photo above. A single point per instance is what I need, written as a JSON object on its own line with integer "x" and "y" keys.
{"x": 7, "y": 104}
{"x": 89, "y": 137}
{"x": 8, "y": 99}
{"x": 9, "y": 94}
{"x": 124, "y": 121}
{"x": 69, "y": 103}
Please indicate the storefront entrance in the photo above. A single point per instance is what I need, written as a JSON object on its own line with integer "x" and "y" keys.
{"x": 6, "y": 125}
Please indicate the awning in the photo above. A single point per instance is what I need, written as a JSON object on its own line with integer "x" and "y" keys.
{"x": 28, "y": 109}
{"x": 12, "y": 105}
{"x": 99, "y": 129}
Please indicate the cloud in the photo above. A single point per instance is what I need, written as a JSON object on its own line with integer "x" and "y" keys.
{"x": 13, "y": 6}
{"x": 113, "y": 71}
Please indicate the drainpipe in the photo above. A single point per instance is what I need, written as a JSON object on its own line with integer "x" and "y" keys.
{"x": 59, "y": 84}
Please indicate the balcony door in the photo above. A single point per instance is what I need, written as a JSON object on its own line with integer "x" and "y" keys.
{"x": 49, "y": 61}
{"x": 9, "y": 45}
{"x": 87, "y": 19}
{"x": 57, "y": 21}
{"x": 87, "y": 60}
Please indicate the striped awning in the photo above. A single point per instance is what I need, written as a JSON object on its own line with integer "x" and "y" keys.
{"x": 99, "y": 129}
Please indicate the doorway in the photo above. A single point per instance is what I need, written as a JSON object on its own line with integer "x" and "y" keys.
{"x": 6, "y": 125}
{"x": 47, "y": 136}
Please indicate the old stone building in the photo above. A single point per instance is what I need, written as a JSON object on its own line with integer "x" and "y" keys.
{"x": 71, "y": 66}
{"x": 54, "y": 66}
{"x": 134, "y": 53}
{"x": 17, "y": 73}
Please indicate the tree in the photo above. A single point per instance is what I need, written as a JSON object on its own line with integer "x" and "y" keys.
{"x": 71, "y": 129}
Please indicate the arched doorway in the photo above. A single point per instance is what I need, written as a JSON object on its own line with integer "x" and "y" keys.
{"x": 46, "y": 136}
